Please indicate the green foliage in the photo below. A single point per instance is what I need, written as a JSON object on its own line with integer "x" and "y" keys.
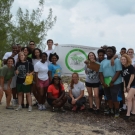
{"x": 77, "y": 60}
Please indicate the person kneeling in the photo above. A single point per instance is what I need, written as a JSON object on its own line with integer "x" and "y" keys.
{"x": 76, "y": 93}
{"x": 56, "y": 95}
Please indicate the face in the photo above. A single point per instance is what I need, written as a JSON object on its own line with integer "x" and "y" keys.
{"x": 130, "y": 53}
{"x": 15, "y": 49}
{"x": 32, "y": 45}
{"x": 10, "y": 62}
{"x": 54, "y": 59}
{"x": 37, "y": 53}
{"x": 109, "y": 52}
{"x": 101, "y": 56}
{"x": 22, "y": 56}
{"x": 91, "y": 56}
{"x": 50, "y": 43}
{"x": 44, "y": 58}
{"x": 122, "y": 52}
{"x": 25, "y": 51}
{"x": 75, "y": 78}
{"x": 19, "y": 48}
{"x": 123, "y": 61}
{"x": 56, "y": 80}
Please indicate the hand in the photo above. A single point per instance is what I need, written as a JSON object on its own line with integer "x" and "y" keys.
{"x": 57, "y": 100}
{"x": 125, "y": 89}
{"x": 17, "y": 72}
{"x": 92, "y": 60}
{"x": 105, "y": 85}
{"x": 8, "y": 88}
{"x": 112, "y": 62}
{"x": 86, "y": 62}
{"x": 73, "y": 101}
{"x": 13, "y": 54}
{"x": 128, "y": 88}
{"x": 111, "y": 84}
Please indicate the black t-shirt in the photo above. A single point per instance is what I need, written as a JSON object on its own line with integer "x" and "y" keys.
{"x": 22, "y": 67}
{"x": 126, "y": 73}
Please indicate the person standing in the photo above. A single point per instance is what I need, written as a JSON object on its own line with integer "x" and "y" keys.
{"x": 130, "y": 53}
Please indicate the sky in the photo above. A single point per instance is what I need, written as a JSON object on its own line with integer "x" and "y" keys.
{"x": 89, "y": 22}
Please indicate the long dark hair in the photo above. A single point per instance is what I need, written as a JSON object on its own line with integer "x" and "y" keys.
{"x": 33, "y": 53}
{"x": 59, "y": 85}
{"x": 94, "y": 56}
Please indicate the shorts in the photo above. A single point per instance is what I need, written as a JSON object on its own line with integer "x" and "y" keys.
{"x": 132, "y": 86}
{"x": 101, "y": 90}
{"x": 113, "y": 93}
{"x": 13, "y": 83}
{"x": 93, "y": 85}
{"x": 23, "y": 88}
{"x": 5, "y": 86}
{"x": 43, "y": 84}
{"x": 50, "y": 101}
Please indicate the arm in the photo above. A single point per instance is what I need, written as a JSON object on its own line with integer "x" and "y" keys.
{"x": 50, "y": 96}
{"x": 130, "y": 81}
{"x": 102, "y": 79}
{"x": 50, "y": 76}
{"x": 62, "y": 95}
{"x": 36, "y": 78}
{"x": 9, "y": 82}
{"x": 2, "y": 82}
{"x": 112, "y": 60}
{"x": 81, "y": 95}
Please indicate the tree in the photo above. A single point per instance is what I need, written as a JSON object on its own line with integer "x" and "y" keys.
{"x": 31, "y": 27}
{"x": 5, "y": 24}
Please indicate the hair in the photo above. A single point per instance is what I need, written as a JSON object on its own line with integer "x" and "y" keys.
{"x": 44, "y": 53}
{"x": 31, "y": 41}
{"x": 53, "y": 54}
{"x": 129, "y": 61}
{"x": 59, "y": 85}
{"x": 10, "y": 58}
{"x": 123, "y": 48}
{"x": 19, "y": 56}
{"x": 101, "y": 51}
{"x": 33, "y": 53}
{"x": 72, "y": 82}
{"x": 112, "y": 48}
{"x": 130, "y": 49}
{"x": 22, "y": 49}
{"x": 49, "y": 40}
{"x": 93, "y": 54}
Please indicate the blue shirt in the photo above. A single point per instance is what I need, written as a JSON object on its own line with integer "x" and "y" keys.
{"x": 55, "y": 69}
{"x": 110, "y": 71}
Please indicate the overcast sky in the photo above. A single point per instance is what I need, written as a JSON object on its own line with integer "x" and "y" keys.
{"x": 89, "y": 22}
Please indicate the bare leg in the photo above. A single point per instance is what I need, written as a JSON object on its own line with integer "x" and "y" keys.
{"x": 90, "y": 93}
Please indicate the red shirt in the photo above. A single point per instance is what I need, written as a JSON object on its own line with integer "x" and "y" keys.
{"x": 54, "y": 91}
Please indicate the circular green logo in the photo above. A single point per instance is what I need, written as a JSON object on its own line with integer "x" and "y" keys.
{"x": 75, "y": 60}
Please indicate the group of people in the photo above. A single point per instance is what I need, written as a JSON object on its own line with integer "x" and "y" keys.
{"x": 116, "y": 75}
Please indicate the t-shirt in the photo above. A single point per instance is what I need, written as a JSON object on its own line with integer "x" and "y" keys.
{"x": 91, "y": 76}
{"x": 8, "y": 54}
{"x": 133, "y": 61}
{"x": 77, "y": 89}
{"x": 55, "y": 69}
{"x": 7, "y": 73}
{"x": 34, "y": 61}
{"x": 109, "y": 71}
{"x": 54, "y": 91}
{"x": 42, "y": 69}
{"x": 48, "y": 53}
{"x": 126, "y": 73}
{"x": 22, "y": 67}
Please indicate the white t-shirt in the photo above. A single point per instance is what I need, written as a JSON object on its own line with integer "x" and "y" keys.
{"x": 8, "y": 54}
{"x": 42, "y": 69}
{"x": 77, "y": 89}
{"x": 48, "y": 53}
{"x": 34, "y": 61}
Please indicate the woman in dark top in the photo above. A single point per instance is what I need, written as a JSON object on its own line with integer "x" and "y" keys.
{"x": 23, "y": 68}
{"x": 128, "y": 73}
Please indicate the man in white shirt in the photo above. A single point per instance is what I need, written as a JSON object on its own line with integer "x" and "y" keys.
{"x": 13, "y": 54}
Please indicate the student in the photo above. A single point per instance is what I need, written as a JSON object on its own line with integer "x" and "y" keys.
{"x": 128, "y": 73}
{"x": 76, "y": 93}
{"x": 6, "y": 74}
{"x": 54, "y": 68}
{"x": 56, "y": 94}
{"x": 92, "y": 83}
{"x": 130, "y": 53}
{"x": 42, "y": 80}
{"x": 31, "y": 46}
{"x": 112, "y": 75}
{"x": 19, "y": 48}
{"x": 50, "y": 49}
{"x": 13, "y": 54}
{"x": 23, "y": 68}
{"x": 101, "y": 56}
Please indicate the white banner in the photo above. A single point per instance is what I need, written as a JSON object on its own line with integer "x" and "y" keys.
{"x": 72, "y": 57}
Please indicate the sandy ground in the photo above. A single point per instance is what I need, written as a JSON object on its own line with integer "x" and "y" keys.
{"x": 56, "y": 123}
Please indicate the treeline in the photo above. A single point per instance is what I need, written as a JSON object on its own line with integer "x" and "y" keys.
{"x": 23, "y": 27}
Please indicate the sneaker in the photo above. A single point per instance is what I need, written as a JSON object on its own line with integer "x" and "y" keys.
{"x": 132, "y": 114}
{"x": 82, "y": 107}
{"x": 53, "y": 109}
{"x": 40, "y": 107}
{"x": 109, "y": 111}
{"x": 90, "y": 110}
{"x": 27, "y": 106}
{"x": 74, "y": 108}
{"x": 19, "y": 108}
{"x": 117, "y": 113}
{"x": 30, "y": 109}
{"x": 22, "y": 105}
{"x": 43, "y": 107}
{"x": 62, "y": 109}
{"x": 14, "y": 102}
{"x": 126, "y": 118}
{"x": 10, "y": 107}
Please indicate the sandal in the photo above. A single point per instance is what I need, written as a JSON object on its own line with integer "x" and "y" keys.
{"x": 82, "y": 108}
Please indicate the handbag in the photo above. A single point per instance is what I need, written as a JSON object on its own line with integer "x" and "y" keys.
{"x": 29, "y": 78}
